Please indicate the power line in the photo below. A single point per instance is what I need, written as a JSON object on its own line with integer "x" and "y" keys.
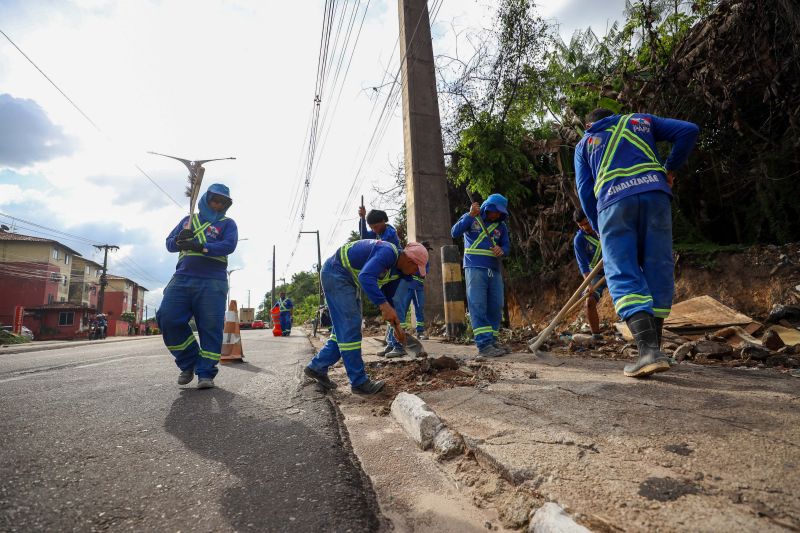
{"x": 79, "y": 110}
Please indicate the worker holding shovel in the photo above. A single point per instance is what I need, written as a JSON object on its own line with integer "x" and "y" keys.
{"x": 625, "y": 191}
{"x": 376, "y": 268}
{"x": 485, "y": 243}
{"x": 588, "y": 253}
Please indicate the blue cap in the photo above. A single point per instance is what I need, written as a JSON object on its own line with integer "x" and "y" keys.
{"x": 222, "y": 190}
{"x": 496, "y": 202}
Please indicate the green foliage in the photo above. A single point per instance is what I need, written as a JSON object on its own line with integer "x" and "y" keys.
{"x": 303, "y": 287}
{"x": 128, "y": 317}
{"x": 7, "y": 337}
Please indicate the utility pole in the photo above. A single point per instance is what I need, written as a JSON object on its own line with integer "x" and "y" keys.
{"x": 426, "y": 184}
{"x": 248, "y": 298}
{"x": 103, "y": 279}
{"x": 319, "y": 266}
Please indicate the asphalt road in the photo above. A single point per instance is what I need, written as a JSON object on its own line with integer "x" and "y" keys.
{"x": 102, "y": 438}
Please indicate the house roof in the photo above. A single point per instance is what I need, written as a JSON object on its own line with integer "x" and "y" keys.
{"x": 89, "y": 261}
{"x": 114, "y": 276}
{"x": 18, "y": 237}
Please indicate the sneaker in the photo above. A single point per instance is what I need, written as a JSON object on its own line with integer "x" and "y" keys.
{"x": 186, "y": 376}
{"x": 205, "y": 383}
{"x": 320, "y": 378}
{"x": 384, "y": 351}
{"x": 397, "y": 351}
{"x": 369, "y": 387}
{"x": 421, "y": 336}
{"x": 491, "y": 351}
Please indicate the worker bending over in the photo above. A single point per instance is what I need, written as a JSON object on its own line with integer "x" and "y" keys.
{"x": 588, "y": 253}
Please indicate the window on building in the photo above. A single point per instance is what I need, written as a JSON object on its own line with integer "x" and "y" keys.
{"x": 49, "y": 298}
{"x": 66, "y": 259}
{"x": 66, "y": 279}
{"x": 66, "y": 318}
{"x": 55, "y": 253}
{"x": 55, "y": 276}
{"x": 88, "y": 270}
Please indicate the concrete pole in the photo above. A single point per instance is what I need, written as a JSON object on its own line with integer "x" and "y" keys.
{"x": 426, "y": 185}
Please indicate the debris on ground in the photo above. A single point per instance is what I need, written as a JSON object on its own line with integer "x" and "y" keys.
{"x": 421, "y": 375}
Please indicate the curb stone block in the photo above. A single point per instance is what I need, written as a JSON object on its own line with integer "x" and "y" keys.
{"x": 447, "y": 444}
{"x": 416, "y": 418}
{"x": 551, "y": 518}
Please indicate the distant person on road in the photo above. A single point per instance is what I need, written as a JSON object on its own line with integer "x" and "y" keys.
{"x": 588, "y": 253}
{"x": 199, "y": 287}
{"x": 376, "y": 268}
{"x": 625, "y": 191}
{"x": 102, "y": 325}
{"x": 287, "y": 311}
{"x": 485, "y": 243}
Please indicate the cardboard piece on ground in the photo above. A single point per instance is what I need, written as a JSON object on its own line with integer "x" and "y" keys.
{"x": 789, "y": 336}
{"x": 704, "y": 312}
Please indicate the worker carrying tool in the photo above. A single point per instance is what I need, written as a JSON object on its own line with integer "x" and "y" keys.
{"x": 376, "y": 268}
{"x": 587, "y": 253}
{"x": 485, "y": 243}
{"x": 625, "y": 191}
{"x": 199, "y": 287}
{"x": 286, "y": 308}
{"x": 379, "y": 227}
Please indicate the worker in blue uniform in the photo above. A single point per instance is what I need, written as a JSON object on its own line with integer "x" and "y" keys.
{"x": 375, "y": 225}
{"x": 287, "y": 311}
{"x": 409, "y": 291}
{"x": 625, "y": 191}
{"x": 375, "y": 267}
{"x": 588, "y": 253}
{"x": 199, "y": 287}
{"x": 485, "y": 243}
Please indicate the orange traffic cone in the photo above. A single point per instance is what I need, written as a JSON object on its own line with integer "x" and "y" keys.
{"x": 231, "y": 338}
{"x": 276, "y": 321}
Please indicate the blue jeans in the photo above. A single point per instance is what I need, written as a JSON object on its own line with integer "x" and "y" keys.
{"x": 286, "y": 323}
{"x": 485, "y": 302}
{"x": 342, "y": 296}
{"x": 417, "y": 297}
{"x": 204, "y": 299}
{"x": 636, "y": 236}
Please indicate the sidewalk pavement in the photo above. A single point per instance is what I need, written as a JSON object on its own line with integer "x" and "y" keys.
{"x": 696, "y": 448}
{"x": 35, "y": 346}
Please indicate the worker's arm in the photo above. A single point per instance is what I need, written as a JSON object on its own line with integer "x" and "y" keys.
{"x": 584, "y": 181}
{"x": 382, "y": 259}
{"x": 364, "y": 231}
{"x": 682, "y": 135}
{"x": 171, "y": 238}
{"x": 583, "y": 262}
{"x": 464, "y": 224}
{"x": 390, "y": 235}
{"x": 227, "y": 243}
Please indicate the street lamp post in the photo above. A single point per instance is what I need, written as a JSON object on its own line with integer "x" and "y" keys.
{"x": 319, "y": 273}
{"x": 229, "y": 285}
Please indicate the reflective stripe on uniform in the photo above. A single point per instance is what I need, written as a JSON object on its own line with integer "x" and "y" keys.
{"x": 619, "y": 132}
{"x": 482, "y": 330}
{"x": 185, "y": 344}
{"x": 209, "y": 355}
{"x": 345, "y": 260}
{"x": 598, "y": 253}
{"x": 661, "y": 312}
{"x": 349, "y": 346}
{"x": 473, "y": 248}
{"x": 631, "y": 299}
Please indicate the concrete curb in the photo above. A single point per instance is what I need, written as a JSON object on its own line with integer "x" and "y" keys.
{"x": 551, "y": 518}
{"x": 7, "y": 349}
{"x": 425, "y": 427}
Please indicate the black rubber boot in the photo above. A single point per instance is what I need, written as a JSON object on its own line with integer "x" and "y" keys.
{"x": 368, "y": 388}
{"x": 659, "y": 329}
{"x": 651, "y": 359}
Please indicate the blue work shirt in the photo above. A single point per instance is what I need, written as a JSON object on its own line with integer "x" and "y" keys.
{"x": 220, "y": 238}
{"x": 477, "y": 252}
{"x": 418, "y": 282}
{"x": 284, "y": 305}
{"x": 617, "y": 157}
{"x": 587, "y": 251}
{"x": 372, "y": 264}
{"x": 388, "y": 235}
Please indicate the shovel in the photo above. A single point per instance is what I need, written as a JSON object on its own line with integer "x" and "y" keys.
{"x": 412, "y": 344}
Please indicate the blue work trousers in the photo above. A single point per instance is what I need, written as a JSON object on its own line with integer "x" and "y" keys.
{"x": 636, "y": 236}
{"x": 400, "y": 304}
{"x": 342, "y": 296}
{"x": 485, "y": 302}
{"x": 204, "y": 299}
{"x": 286, "y": 323}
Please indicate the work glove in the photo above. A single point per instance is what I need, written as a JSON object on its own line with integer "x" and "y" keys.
{"x": 184, "y": 235}
{"x": 189, "y": 245}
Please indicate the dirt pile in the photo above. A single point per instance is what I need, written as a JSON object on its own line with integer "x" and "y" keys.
{"x": 420, "y": 375}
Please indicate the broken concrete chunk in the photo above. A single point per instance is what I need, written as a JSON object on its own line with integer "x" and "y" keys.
{"x": 447, "y": 444}
{"x": 713, "y": 350}
{"x": 772, "y": 341}
{"x": 778, "y": 312}
{"x": 683, "y": 351}
{"x": 416, "y": 418}
{"x": 582, "y": 339}
{"x": 551, "y": 518}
